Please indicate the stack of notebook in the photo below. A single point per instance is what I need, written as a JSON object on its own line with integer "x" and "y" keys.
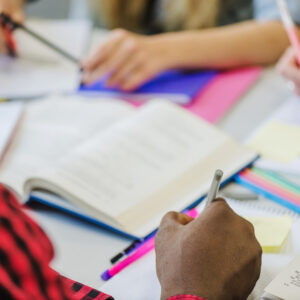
{"x": 277, "y": 173}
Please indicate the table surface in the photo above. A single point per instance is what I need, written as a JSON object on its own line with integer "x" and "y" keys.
{"x": 83, "y": 250}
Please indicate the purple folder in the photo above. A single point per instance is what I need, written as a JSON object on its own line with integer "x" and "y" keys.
{"x": 177, "y": 86}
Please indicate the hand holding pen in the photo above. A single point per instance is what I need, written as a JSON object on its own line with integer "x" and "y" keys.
{"x": 201, "y": 255}
{"x": 216, "y": 256}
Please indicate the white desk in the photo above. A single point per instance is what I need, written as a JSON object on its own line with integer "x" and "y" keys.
{"x": 83, "y": 251}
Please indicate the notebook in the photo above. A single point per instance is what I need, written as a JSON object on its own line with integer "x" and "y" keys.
{"x": 276, "y": 174}
{"x": 177, "y": 86}
{"x": 141, "y": 275}
{"x": 278, "y": 140}
{"x": 117, "y": 163}
{"x": 273, "y": 186}
{"x": 287, "y": 284}
{"x": 228, "y": 86}
{"x": 38, "y": 70}
{"x": 10, "y": 114}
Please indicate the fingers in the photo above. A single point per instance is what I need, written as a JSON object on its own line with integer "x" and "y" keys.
{"x": 18, "y": 15}
{"x": 133, "y": 81}
{"x": 119, "y": 57}
{"x": 288, "y": 59}
{"x": 3, "y": 48}
{"x": 110, "y": 56}
{"x": 289, "y": 68}
{"x": 14, "y": 8}
{"x": 175, "y": 219}
{"x": 218, "y": 206}
{"x": 127, "y": 69}
{"x": 126, "y": 59}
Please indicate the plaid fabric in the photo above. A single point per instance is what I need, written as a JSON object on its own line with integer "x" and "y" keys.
{"x": 185, "y": 297}
{"x": 25, "y": 254}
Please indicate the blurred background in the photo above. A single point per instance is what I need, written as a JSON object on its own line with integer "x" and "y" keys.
{"x": 59, "y": 9}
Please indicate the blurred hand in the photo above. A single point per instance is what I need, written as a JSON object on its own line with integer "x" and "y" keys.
{"x": 289, "y": 68}
{"x": 128, "y": 59}
{"x": 215, "y": 256}
{"x": 14, "y": 8}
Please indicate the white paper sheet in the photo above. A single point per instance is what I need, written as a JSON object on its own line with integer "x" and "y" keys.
{"x": 10, "y": 114}
{"x": 38, "y": 70}
{"x": 287, "y": 284}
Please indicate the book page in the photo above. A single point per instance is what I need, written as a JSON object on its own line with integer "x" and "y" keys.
{"x": 141, "y": 167}
{"x": 53, "y": 127}
{"x": 10, "y": 114}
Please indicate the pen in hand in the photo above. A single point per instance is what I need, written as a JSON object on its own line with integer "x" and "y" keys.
{"x": 214, "y": 188}
{"x": 7, "y": 21}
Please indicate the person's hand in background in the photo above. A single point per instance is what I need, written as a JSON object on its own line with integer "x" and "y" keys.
{"x": 128, "y": 60}
{"x": 289, "y": 68}
{"x": 15, "y": 9}
{"x": 215, "y": 256}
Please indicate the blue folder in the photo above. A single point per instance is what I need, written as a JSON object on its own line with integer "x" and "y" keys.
{"x": 177, "y": 86}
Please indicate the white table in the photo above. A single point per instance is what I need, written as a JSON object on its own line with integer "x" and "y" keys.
{"x": 83, "y": 250}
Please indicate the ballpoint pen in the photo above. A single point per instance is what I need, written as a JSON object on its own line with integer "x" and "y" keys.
{"x": 7, "y": 21}
{"x": 215, "y": 185}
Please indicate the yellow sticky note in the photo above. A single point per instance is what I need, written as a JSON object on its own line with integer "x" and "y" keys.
{"x": 271, "y": 232}
{"x": 278, "y": 141}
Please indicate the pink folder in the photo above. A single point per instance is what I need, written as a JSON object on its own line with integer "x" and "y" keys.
{"x": 215, "y": 100}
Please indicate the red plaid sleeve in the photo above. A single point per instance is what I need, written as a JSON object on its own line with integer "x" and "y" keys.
{"x": 25, "y": 254}
{"x": 185, "y": 297}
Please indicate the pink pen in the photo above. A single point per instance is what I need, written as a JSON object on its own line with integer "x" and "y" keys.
{"x": 290, "y": 27}
{"x": 140, "y": 252}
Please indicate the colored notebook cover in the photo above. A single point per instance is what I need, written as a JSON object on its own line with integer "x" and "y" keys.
{"x": 178, "y": 86}
{"x": 216, "y": 98}
{"x": 272, "y": 187}
{"x": 222, "y": 92}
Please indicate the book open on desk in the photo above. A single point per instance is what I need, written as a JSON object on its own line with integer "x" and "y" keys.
{"x": 122, "y": 166}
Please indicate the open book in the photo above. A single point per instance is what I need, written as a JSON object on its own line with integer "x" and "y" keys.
{"x": 122, "y": 166}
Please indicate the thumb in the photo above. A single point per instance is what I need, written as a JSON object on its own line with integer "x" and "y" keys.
{"x": 175, "y": 219}
{"x": 13, "y": 8}
{"x": 18, "y": 15}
